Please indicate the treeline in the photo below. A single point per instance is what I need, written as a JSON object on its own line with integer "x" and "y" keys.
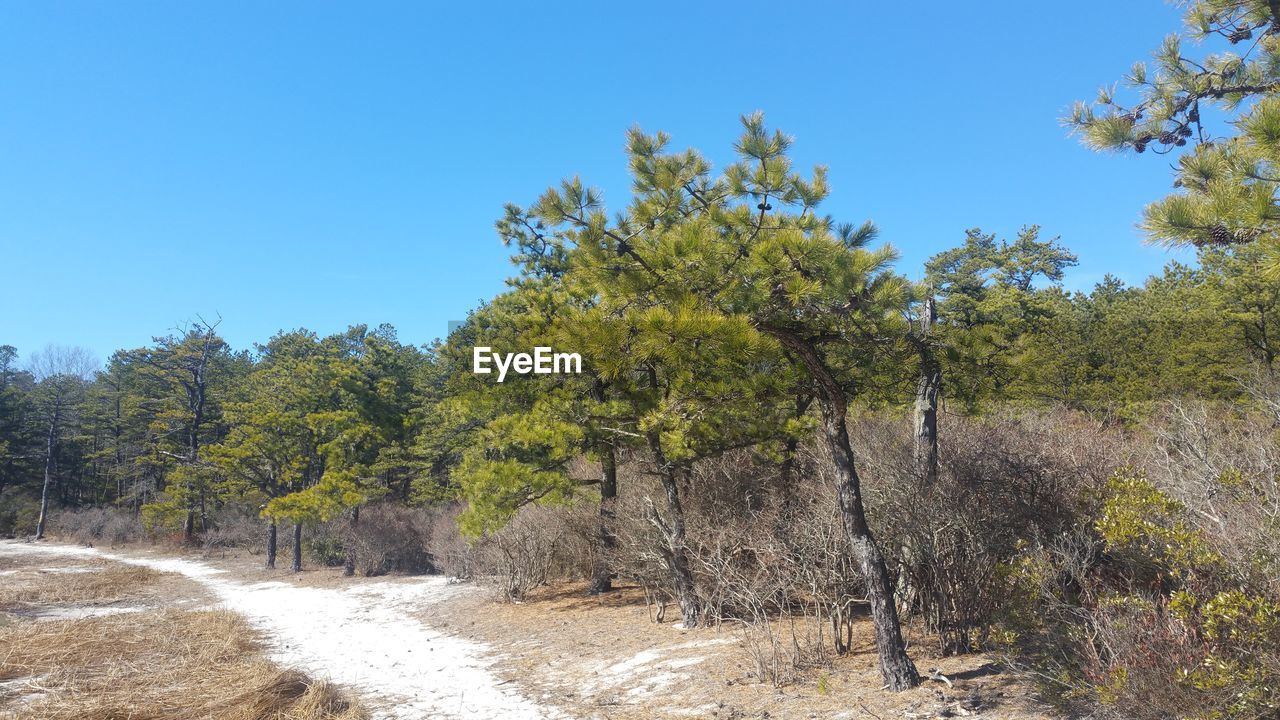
{"x": 303, "y": 427}
{"x": 121, "y": 432}
{"x": 308, "y": 427}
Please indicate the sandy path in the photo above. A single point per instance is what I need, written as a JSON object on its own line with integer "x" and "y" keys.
{"x": 362, "y": 636}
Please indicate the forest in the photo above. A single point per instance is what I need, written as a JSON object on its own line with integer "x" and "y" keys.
{"x": 775, "y": 423}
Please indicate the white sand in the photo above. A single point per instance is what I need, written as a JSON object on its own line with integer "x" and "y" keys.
{"x": 362, "y": 636}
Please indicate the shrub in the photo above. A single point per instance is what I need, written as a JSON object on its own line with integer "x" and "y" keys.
{"x": 235, "y": 525}
{"x": 1157, "y": 624}
{"x": 322, "y": 544}
{"x": 163, "y": 516}
{"x": 391, "y": 538}
{"x": 18, "y": 513}
{"x": 451, "y": 553}
{"x": 770, "y": 559}
{"x": 1004, "y": 481}
{"x": 98, "y": 525}
{"x": 539, "y": 543}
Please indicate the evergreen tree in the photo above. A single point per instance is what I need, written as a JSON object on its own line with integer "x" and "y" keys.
{"x": 16, "y": 459}
{"x": 119, "y": 415}
{"x": 989, "y": 307}
{"x": 185, "y": 377}
{"x": 62, "y": 375}
{"x": 523, "y": 433}
{"x": 1228, "y": 185}
{"x": 308, "y": 427}
{"x": 1237, "y": 285}
{"x": 706, "y": 246}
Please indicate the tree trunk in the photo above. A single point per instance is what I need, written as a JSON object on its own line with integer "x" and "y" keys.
{"x": 928, "y": 387}
{"x": 48, "y": 474}
{"x": 787, "y": 469}
{"x": 602, "y": 573}
{"x": 271, "y": 546}
{"x": 349, "y": 564}
{"x": 926, "y": 421}
{"x": 678, "y": 556}
{"x": 117, "y": 432}
{"x": 676, "y": 553}
{"x": 896, "y": 668}
{"x": 297, "y": 547}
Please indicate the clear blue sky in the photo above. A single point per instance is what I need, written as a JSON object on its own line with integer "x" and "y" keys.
{"x": 320, "y": 164}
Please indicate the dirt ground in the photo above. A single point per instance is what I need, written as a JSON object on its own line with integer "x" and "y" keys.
{"x": 604, "y": 657}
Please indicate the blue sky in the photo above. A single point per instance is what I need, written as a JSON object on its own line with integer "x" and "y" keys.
{"x": 321, "y": 164}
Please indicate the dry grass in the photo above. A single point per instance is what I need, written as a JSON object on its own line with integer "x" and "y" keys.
{"x": 167, "y": 665}
{"x": 88, "y": 584}
{"x": 148, "y": 665}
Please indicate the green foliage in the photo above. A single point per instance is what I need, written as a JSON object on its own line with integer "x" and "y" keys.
{"x": 18, "y": 513}
{"x": 326, "y": 550}
{"x": 1142, "y": 522}
{"x": 710, "y": 309}
{"x": 319, "y": 422}
{"x": 1228, "y": 194}
{"x": 1161, "y": 625}
{"x": 508, "y": 444}
{"x": 991, "y": 314}
{"x": 165, "y": 515}
{"x": 16, "y": 423}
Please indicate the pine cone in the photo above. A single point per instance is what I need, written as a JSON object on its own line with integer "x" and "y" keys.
{"x": 1180, "y": 142}
{"x": 1168, "y": 138}
{"x": 1185, "y": 131}
{"x": 1220, "y": 235}
{"x": 1240, "y": 35}
{"x": 1140, "y": 147}
{"x": 1245, "y": 235}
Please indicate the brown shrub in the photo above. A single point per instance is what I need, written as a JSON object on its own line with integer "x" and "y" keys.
{"x": 1223, "y": 463}
{"x": 234, "y": 526}
{"x": 540, "y": 543}
{"x": 452, "y": 554}
{"x": 1005, "y": 481}
{"x": 391, "y": 538}
{"x": 98, "y": 526}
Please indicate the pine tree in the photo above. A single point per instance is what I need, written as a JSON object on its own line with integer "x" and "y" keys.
{"x": 15, "y": 423}
{"x": 186, "y": 375}
{"x": 1228, "y": 186}
{"x": 989, "y": 307}
{"x": 62, "y": 376}
{"x": 716, "y": 247}
{"x": 307, "y": 429}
